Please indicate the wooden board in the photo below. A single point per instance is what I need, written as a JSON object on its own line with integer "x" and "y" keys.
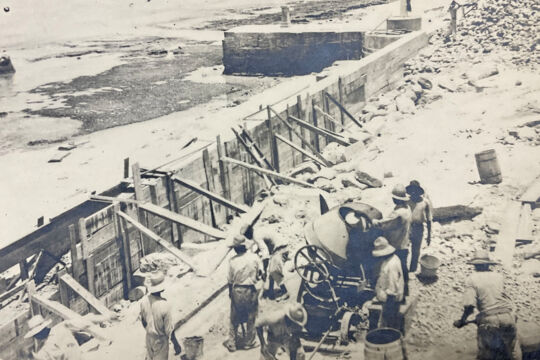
{"x": 320, "y": 131}
{"x": 299, "y": 149}
{"x": 85, "y": 294}
{"x": 54, "y": 307}
{"x": 211, "y": 195}
{"x": 183, "y": 220}
{"x": 532, "y": 195}
{"x": 164, "y": 243}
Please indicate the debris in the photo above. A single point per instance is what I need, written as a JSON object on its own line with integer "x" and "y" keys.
{"x": 308, "y": 167}
{"x": 405, "y": 105}
{"x": 425, "y": 83}
{"x": 367, "y": 179}
{"x": 455, "y": 213}
{"x": 334, "y": 153}
{"x": 59, "y": 157}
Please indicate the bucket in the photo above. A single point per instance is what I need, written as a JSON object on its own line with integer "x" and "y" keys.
{"x": 429, "y": 265}
{"x": 488, "y": 167}
{"x": 193, "y": 347}
{"x": 384, "y": 344}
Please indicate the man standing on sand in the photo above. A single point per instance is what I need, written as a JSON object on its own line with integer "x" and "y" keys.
{"x": 396, "y": 229}
{"x": 390, "y": 284}
{"x": 157, "y": 320}
{"x": 58, "y": 342}
{"x": 421, "y": 210}
{"x": 276, "y": 272}
{"x": 245, "y": 271}
{"x": 283, "y": 331}
{"x": 497, "y": 333}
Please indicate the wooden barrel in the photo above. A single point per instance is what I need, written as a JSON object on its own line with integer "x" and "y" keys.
{"x": 384, "y": 344}
{"x": 488, "y": 167}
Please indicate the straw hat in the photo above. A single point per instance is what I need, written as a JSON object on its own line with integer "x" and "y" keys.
{"x": 36, "y": 324}
{"x": 414, "y": 188}
{"x": 399, "y": 193}
{"x": 481, "y": 257}
{"x": 239, "y": 240}
{"x": 381, "y": 247}
{"x": 157, "y": 283}
{"x": 297, "y": 314}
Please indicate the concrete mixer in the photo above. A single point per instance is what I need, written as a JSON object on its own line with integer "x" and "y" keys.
{"x": 337, "y": 270}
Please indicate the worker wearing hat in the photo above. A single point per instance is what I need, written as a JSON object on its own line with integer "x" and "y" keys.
{"x": 276, "y": 264}
{"x": 396, "y": 229}
{"x": 390, "y": 283}
{"x": 283, "y": 327}
{"x": 58, "y": 341}
{"x": 156, "y": 319}
{"x": 421, "y": 213}
{"x": 245, "y": 271}
{"x": 497, "y": 333}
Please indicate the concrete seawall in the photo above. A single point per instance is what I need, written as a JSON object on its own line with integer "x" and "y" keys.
{"x": 96, "y": 248}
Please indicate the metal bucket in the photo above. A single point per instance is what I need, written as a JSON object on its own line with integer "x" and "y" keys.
{"x": 193, "y": 347}
{"x": 384, "y": 343}
{"x": 429, "y": 265}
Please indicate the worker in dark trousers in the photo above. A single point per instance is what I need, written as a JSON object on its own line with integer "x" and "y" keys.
{"x": 422, "y": 213}
{"x": 390, "y": 285}
{"x": 497, "y": 333}
{"x": 245, "y": 271}
{"x": 396, "y": 229}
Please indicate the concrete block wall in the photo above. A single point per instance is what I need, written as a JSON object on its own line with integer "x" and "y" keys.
{"x": 288, "y": 53}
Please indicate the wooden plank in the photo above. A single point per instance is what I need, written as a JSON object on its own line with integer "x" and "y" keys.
{"x": 6, "y": 295}
{"x": 33, "y": 267}
{"x": 76, "y": 263}
{"x": 85, "y": 294}
{"x": 225, "y": 186}
{"x": 54, "y": 307}
{"x": 165, "y": 244}
{"x": 126, "y": 250}
{"x": 316, "y": 140}
{"x": 23, "y": 268}
{"x": 63, "y": 289}
{"x": 299, "y": 149}
{"x": 209, "y": 182}
{"x": 211, "y": 195}
{"x": 532, "y": 194}
{"x": 525, "y": 223}
{"x": 304, "y": 141}
{"x": 136, "y": 171}
{"x": 83, "y": 238}
{"x": 58, "y": 157}
{"x": 255, "y": 156}
{"x": 183, "y": 220}
{"x": 274, "y": 153}
{"x": 176, "y": 230}
{"x": 342, "y": 108}
{"x": 341, "y": 100}
{"x": 320, "y": 131}
{"x": 329, "y": 117}
{"x": 90, "y": 273}
{"x": 267, "y": 172}
{"x": 126, "y": 168}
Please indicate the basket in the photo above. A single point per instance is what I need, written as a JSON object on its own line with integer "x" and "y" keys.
{"x": 429, "y": 265}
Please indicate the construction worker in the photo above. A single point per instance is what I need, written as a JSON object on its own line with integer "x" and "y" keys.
{"x": 497, "y": 333}
{"x": 58, "y": 342}
{"x": 156, "y": 319}
{"x": 390, "y": 283}
{"x": 283, "y": 328}
{"x": 245, "y": 271}
{"x": 396, "y": 229}
{"x": 421, "y": 213}
{"x": 276, "y": 272}
{"x": 265, "y": 245}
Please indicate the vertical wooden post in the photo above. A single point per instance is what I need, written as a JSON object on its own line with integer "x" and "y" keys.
{"x": 209, "y": 182}
{"x": 76, "y": 262}
{"x": 273, "y": 143}
{"x": 300, "y": 111}
{"x": 23, "y": 267}
{"x": 341, "y": 95}
{"x": 125, "y": 251}
{"x": 87, "y": 256}
{"x": 31, "y": 290}
{"x": 293, "y": 152}
{"x": 326, "y": 107}
{"x": 228, "y": 171}
{"x": 126, "y": 168}
{"x": 225, "y": 190}
{"x": 64, "y": 298}
{"x": 316, "y": 137}
{"x": 141, "y": 216}
{"x": 176, "y": 229}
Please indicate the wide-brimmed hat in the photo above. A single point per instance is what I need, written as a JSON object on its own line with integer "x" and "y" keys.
{"x": 399, "y": 193}
{"x": 381, "y": 247}
{"x": 414, "y": 188}
{"x": 36, "y": 324}
{"x": 157, "y": 283}
{"x": 481, "y": 257}
{"x": 297, "y": 314}
{"x": 239, "y": 240}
